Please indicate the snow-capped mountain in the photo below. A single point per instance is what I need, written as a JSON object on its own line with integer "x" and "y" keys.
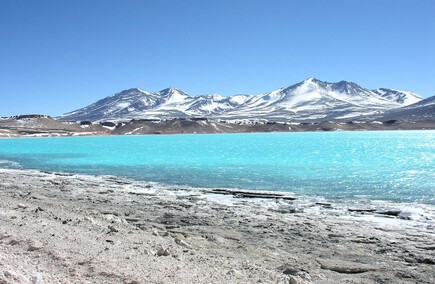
{"x": 314, "y": 100}
{"x": 309, "y": 100}
{"x": 423, "y": 110}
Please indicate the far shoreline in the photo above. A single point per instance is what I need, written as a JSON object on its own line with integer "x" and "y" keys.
{"x": 48, "y": 127}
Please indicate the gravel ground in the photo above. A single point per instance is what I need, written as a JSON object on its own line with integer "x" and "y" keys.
{"x": 60, "y": 228}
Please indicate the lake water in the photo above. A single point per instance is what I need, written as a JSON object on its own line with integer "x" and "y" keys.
{"x": 386, "y": 165}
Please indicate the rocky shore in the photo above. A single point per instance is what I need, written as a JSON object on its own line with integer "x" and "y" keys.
{"x": 61, "y": 228}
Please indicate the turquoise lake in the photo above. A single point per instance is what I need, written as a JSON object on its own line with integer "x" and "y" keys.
{"x": 385, "y": 165}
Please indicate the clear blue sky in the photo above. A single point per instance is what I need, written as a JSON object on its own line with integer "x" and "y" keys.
{"x": 57, "y": 56}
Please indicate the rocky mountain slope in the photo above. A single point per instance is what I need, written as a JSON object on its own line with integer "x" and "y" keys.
{"x": 310, "y": 100}
{"x": 423, "y": 110}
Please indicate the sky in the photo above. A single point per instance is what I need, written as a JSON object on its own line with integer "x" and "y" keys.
{"x": 57, "y": 56}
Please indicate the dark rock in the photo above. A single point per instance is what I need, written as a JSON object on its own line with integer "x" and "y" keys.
{"x": 426, "y": 247}
{"x": 335, "y": 236}
{"x": 389, "y": 122}
{"x": 390, "y": 212}
{"x": 426, "y": 260}
{"x": 133, "y": 220}
{"x": 363, "y": 240}
{"x": 108, "y": 124}
{"x": 14, "y": 242}
{"x": 290, "y": 270}
{"x": 247, "y": 194}
{"x": 24, "y": 116}
{"x": 361, "y": 210}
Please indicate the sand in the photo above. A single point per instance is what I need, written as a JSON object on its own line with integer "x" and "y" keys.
{"x": 61, "y": 228}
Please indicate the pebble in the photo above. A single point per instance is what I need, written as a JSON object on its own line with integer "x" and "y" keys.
{"x": 163, "y": 252}
{"x": 10, "y": 274}
{"x": 39, "y": 209}
{"x": 182, "y": 243}
{"x": 34, "y": 245}
{"x": 296, "y": 280}
{"x": 112, "y": 229}
{"x": 4, "y": 236}
{"x": 234, "y": 272}
{"x": 131, "y": 282}
{"x": 112, "y": 218}
{"x": 22, "y": 206}
{"x": 38, "y": 279}
{"x": 89, "y": 219}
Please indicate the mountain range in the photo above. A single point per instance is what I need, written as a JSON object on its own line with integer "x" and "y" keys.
{"x": 311, "y": 100}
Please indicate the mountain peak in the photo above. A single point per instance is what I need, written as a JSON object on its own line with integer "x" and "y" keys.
{"x": 133, "y": 90}
{"x": 173, "y": 95}
{"x": 171, "y": 90}
{"x": 312, "y": 80}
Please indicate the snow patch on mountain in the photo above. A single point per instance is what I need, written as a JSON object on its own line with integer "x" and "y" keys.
{"x": 403, "y": 97}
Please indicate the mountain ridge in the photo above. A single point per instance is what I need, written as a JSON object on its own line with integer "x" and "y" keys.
{"x": 422, "y": 110}
{"x": 308, "y": 100}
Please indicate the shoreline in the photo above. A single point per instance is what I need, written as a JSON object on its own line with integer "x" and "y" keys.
{"x": 49, "y": 127}
{"x": 62, "y": 228}
{"x": 237, "y": 192}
